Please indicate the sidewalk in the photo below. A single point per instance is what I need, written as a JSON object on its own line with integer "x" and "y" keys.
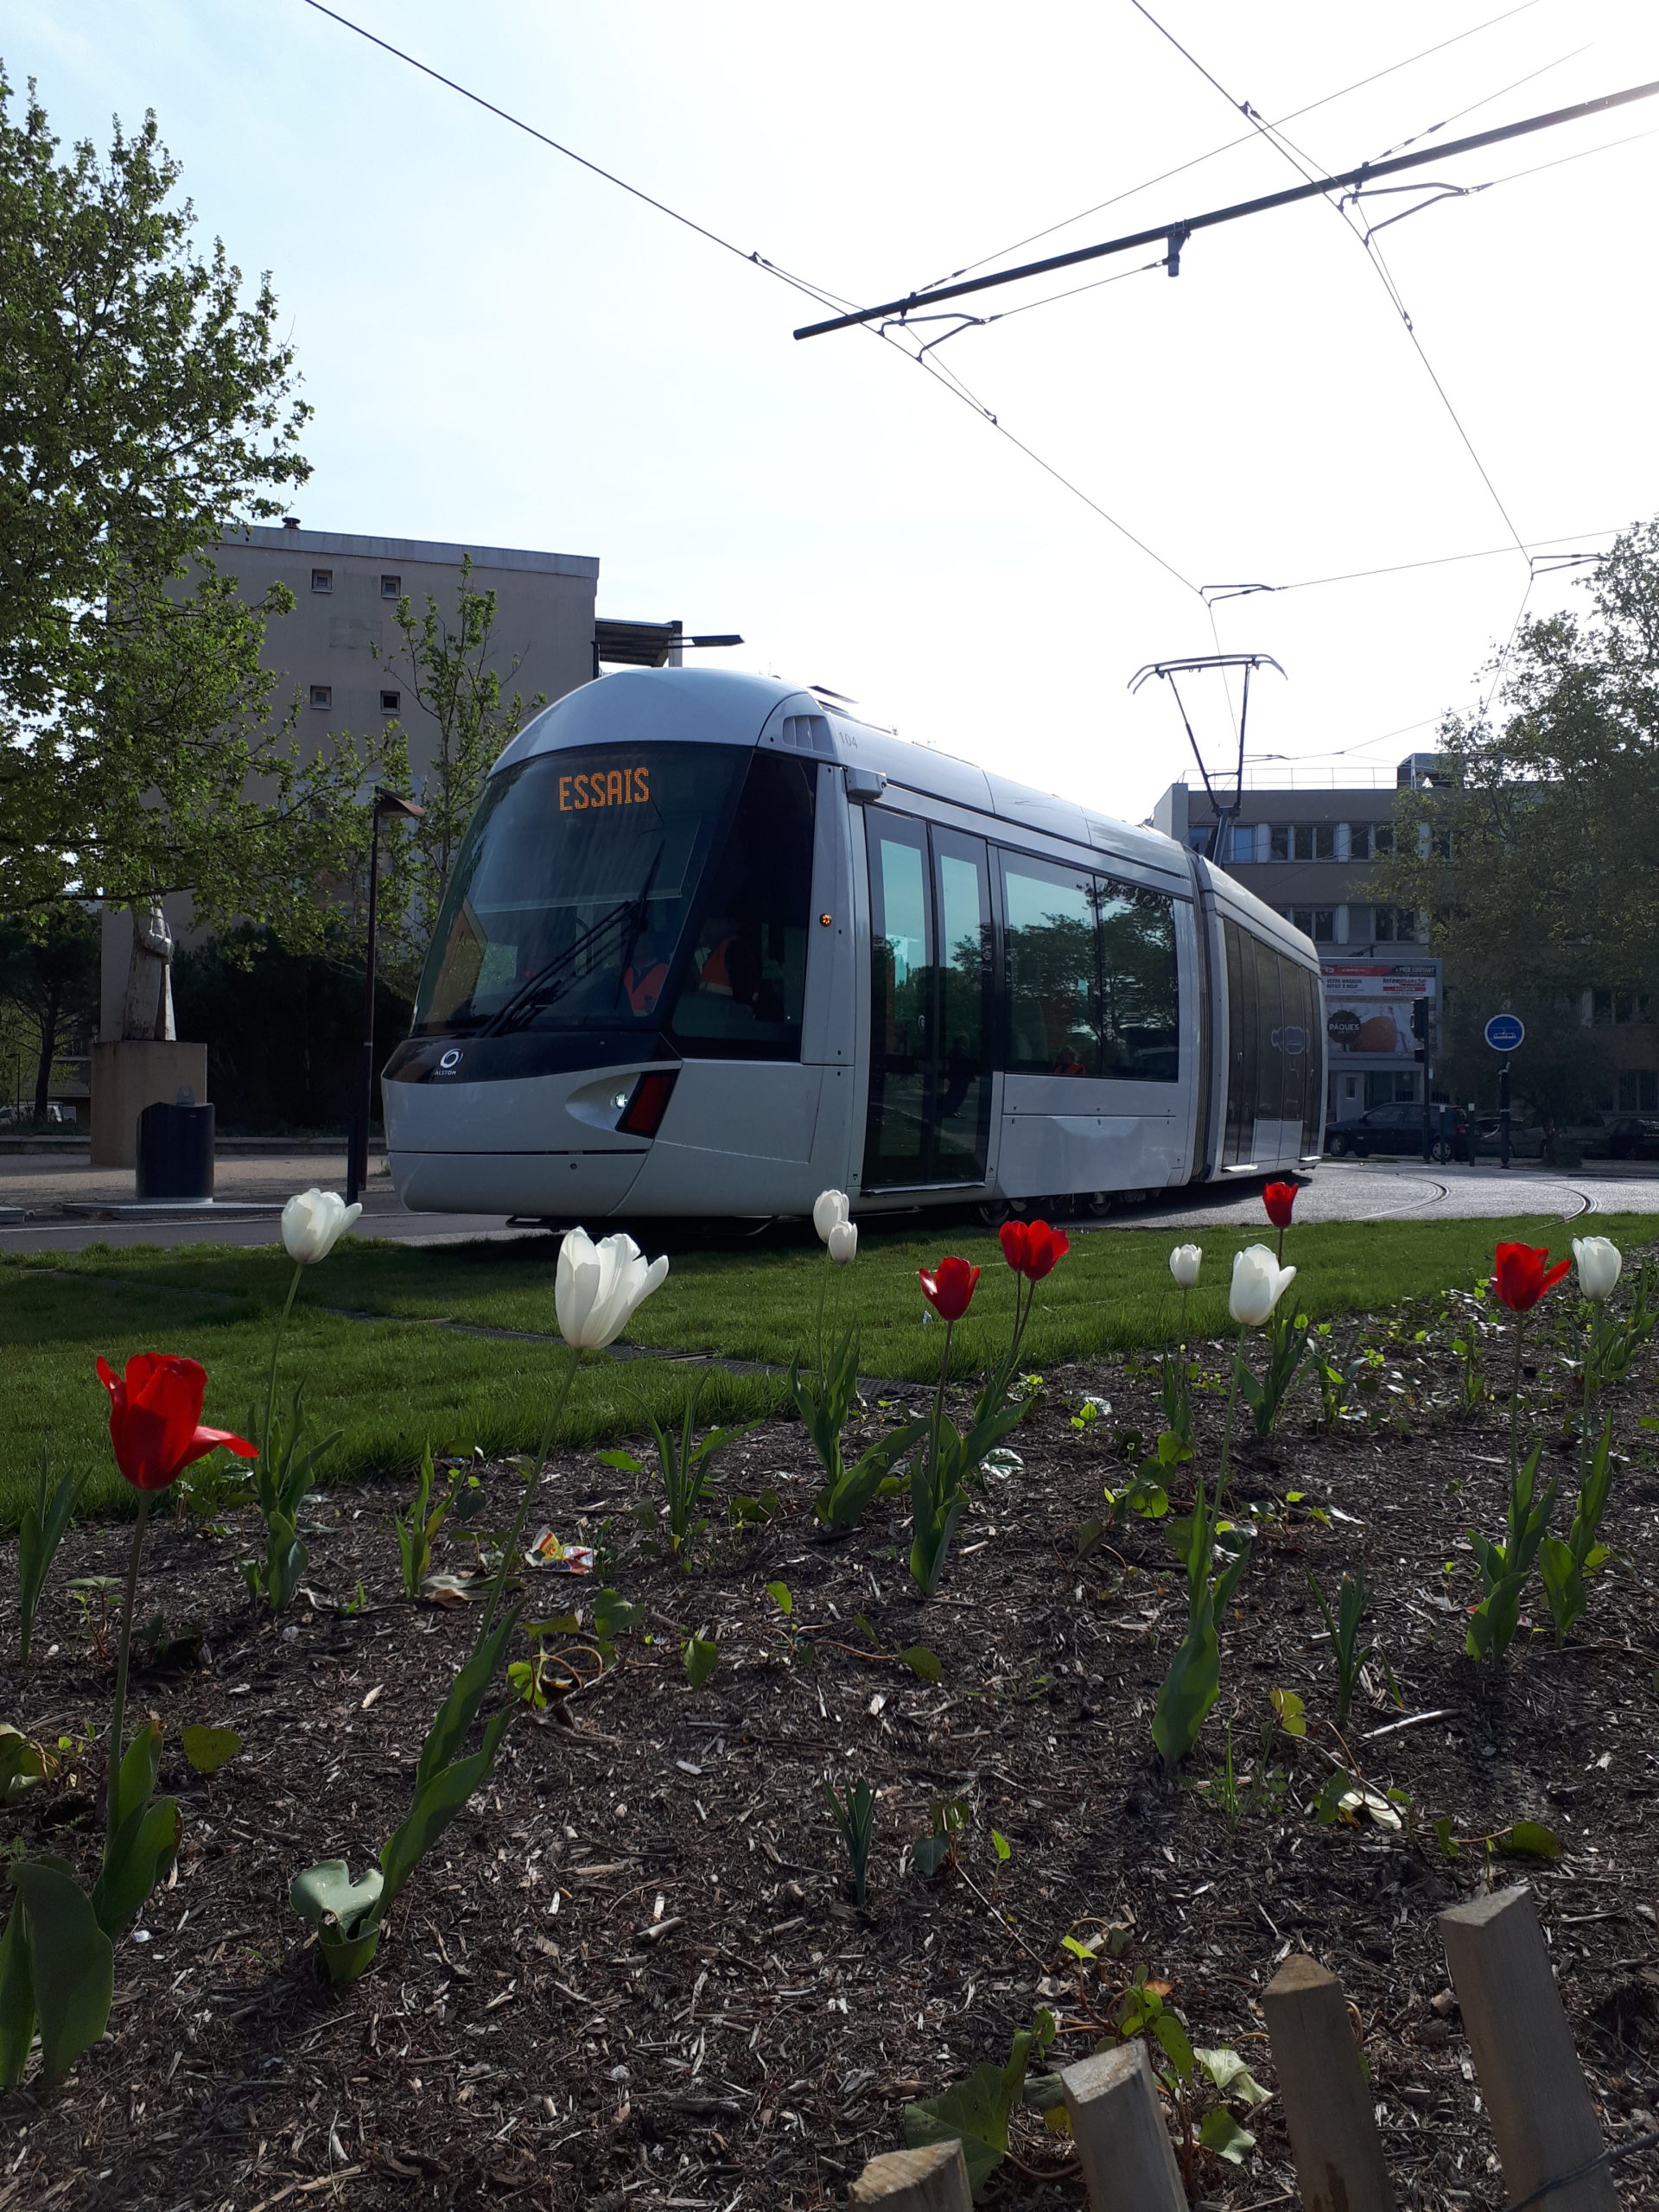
{"x": 42, "y": 1184}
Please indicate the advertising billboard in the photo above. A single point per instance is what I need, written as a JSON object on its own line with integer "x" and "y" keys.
{"x": 1369, "y": 1005}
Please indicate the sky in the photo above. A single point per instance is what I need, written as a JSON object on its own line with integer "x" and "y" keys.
{"x": 503, "y": 348}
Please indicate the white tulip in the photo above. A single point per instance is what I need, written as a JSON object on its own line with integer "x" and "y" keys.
{"x": 843, "y": 1241}
{"x": 1599, "y": 1261}
{"x": 1259, "y": 1282}
{"x": 829, "y": 1209}
{"x": 313, "y": 1223}
{"x": 597, "y": 1288}
{"x": 1185, "y": 1262}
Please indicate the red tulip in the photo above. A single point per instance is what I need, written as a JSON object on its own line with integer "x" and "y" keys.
{"x": 155, "y": 1419}
{"x": 1279, "y": 1198}
{"x": 1032, "y": 1248}
{"x": 949, "y": 1289}
{"x": 1520, "y": 1279}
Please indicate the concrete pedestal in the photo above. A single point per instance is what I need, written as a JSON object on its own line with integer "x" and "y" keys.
{"x": 130, "y": 1074}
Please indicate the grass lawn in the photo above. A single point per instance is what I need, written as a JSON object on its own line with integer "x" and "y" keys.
{"x": 391, "y": 1382}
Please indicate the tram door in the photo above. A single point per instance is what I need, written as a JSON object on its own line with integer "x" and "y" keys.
{"x": 932, "y": 959}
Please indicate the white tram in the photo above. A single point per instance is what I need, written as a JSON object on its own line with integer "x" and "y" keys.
{"x": 714, "y": 945}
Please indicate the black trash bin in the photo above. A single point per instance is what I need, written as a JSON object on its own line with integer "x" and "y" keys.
{"x": 175, "y": 1153}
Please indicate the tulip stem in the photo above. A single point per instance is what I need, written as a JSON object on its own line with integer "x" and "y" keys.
{"x": 499, "y": 1582}
{"x": 823, "y": 1285}
{"x": 275, "y": 1349}
{"x": 118, "y": 1717}
{"x": 939, "y": 1418}
{"x": 1515, "y": 1405}
{"x": 1226, "y": 1476}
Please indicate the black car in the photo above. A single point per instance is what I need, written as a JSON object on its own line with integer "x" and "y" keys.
{"x": 1398, "y": 1129}
{"x": 1633, "y": 1136}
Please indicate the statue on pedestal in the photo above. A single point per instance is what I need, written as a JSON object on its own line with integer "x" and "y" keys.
{"x": 147, "y": 1010}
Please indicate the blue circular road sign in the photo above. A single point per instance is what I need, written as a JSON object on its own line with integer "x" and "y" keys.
{"x": 1506, "y": 1033}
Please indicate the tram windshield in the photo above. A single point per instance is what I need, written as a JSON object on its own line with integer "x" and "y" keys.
{"x": 590, "y": 881}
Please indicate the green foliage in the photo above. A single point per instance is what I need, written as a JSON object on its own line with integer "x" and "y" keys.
{"x": 57, "y": 1972}
{"x": 449, "y": 667}
{"x": 1288, "y": 1348}
{"x": 699, "y": 1656}
{"x": 854, "y": 1815}
{"x": 283, "y": 1477}
{"x": 49, "y": 982}
{"x": 1193, "y": 1682}
{"x": 976, "y": 2112}
{"x": 687, "y": 1467}
{"x": 142, "y": 1837}
{"x": 417, "y": 1529}
{"x": 40, "y": 1532}
{"x": 938, "y": 1481}
{"x": 546, "y": 1670}
{"x": 349, "y": 1917}
{"x": 1566, "y": 1564}
{"x": 1533, "y": 864}
{"x": 1620, "y": 1337}
{"x": 1505, "y": 1567}
{"x": 612, "y": 1617}
{"x": 1352, "y": 1598}
{"x": 824, "y": 1402}
{"x": 209, "y": 1749}
{"x": 1187, "y": 2073}
{"x": 1175, "y": 1373}
{"x": 948, "y": 1817}
{"x": 149, "y": 409}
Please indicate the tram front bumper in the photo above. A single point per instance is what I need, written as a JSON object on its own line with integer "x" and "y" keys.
{"x": 584, "y": 1185}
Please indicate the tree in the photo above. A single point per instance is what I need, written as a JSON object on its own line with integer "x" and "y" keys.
{"x": 449, "y": 667}
{"x": 1535, "y": 861}
{"x": 146, "y": 409}
{"x": 48, "y": 974}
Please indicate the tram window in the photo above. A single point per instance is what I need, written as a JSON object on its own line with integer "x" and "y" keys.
{"x": 1092, "y": 982}
{"x": 1274, "y": 1066}
{"x": 744, "y": 977}
{"x": 566, "y": 904}
{"x": 1139, "y": 985}
{"x": 1052, "y": 999}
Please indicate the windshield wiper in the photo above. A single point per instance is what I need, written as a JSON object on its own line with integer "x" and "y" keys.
{"x": 550, "y": 982}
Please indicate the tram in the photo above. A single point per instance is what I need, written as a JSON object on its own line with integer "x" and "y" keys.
{"x": 713, "y": 945}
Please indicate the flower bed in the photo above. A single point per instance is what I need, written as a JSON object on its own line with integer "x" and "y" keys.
{"x": 632, "y": 1970}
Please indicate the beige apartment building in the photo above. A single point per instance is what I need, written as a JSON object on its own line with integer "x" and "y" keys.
{"x": 339, "y": 651}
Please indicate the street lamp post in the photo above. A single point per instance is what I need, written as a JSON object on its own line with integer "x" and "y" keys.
{"x": 387, "y": 807}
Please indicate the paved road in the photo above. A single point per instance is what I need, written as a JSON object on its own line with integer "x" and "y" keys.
{"x": 1349, "y": 1190}
{"x": 1377, "y": 1190}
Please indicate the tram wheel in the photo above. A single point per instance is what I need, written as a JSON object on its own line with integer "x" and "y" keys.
{"x": 1098, "y": 1203}
{"x": 995, "y": 1212}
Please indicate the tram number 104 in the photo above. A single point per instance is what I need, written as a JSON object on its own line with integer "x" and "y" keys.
{"x": 605, "y": 787}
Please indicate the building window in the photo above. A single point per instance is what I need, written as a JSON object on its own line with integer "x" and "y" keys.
{"x": 1639, "y": 1091}
{"x": 1359, "y": 841}
{"x": 1315, "y": 841}
{"x": 1383, "y": 839}
{"x": 1359, "y": 925}
{"x": 322, "y": 579}
{"x": 390, "y": 702}
{"x": 1395, "y": 925}
{"x": 1317, "y": 922}
{"x": 1611, "y": 1009}
{"x": 322, "y": 695}
{"x": 1279, "y": 841}
{"x": 391, "y": 586}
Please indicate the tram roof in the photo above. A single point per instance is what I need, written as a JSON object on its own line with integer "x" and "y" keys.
{"x": 658, "y": 706}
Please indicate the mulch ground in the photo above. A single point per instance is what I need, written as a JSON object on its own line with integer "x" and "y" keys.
{"x": 632, "y": 1973}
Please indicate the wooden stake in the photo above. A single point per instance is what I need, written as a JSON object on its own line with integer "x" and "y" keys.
{"x": 932, "y": 2179}
{"x": 1543, "y": 2122}
{"x": 1327, "y": 2103}
{"x": 1122, "y": 2143}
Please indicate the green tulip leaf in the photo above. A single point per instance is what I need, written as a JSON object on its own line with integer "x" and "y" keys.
{"x": 326, "y": 1893}
{"x": 71, "y": 1963}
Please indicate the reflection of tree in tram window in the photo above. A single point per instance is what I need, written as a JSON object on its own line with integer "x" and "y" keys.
{"x": 1091, "y": 975}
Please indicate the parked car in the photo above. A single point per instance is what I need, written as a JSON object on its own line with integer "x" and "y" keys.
{"x": 1398, "y": 1129}
{"x": 1527, "y": 1139}
{"x": 1633, "y": 1136}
